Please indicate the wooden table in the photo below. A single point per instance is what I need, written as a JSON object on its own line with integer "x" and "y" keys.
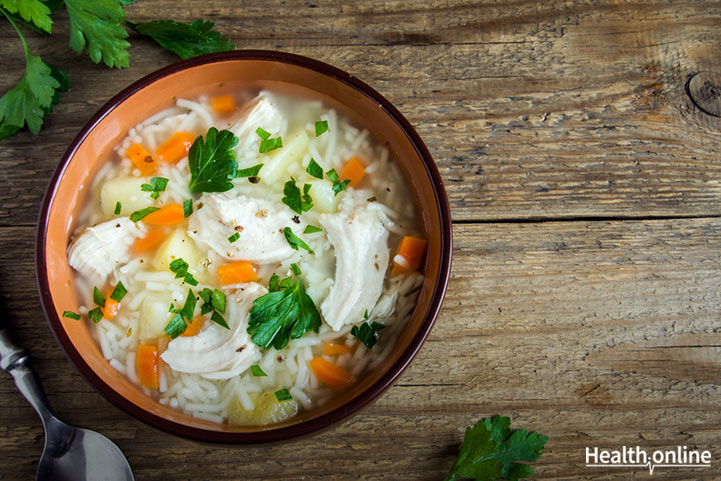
{"x": 585, "y": 186}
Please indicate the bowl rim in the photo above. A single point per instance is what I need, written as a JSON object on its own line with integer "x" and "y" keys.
{"x": 282, "y": 433}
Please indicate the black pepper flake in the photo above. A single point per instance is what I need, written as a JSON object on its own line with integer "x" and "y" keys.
{"x": 296, "y": 219}
{"x": 279, "y": 358}
{"x": 238, "y": 228}
{"x": 253, "y": 179}
{"x": 241, "y": 348}
{"x": 117, "y": 225}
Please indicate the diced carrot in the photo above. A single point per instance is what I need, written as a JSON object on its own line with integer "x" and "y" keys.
{"x": 353, "y": 170}
{"x": 237, "y": 273}
{"x": 194, "y": 327}
{"x": 176, "y": 147}
{"x": 223, "y": 104}
{"x": 329, "y": 374}
{"x": 152, "y": 239}
{"x": 111, "y": 306}
{"x": 142, "y": 159}
{"x": 148, "y": 365}
{"x": 332, "y": 349}
{"x": 169, "y": 214}
{"x": 411, "y": 249}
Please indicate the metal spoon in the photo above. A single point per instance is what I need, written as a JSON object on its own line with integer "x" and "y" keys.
{"x": 70, "y": 454}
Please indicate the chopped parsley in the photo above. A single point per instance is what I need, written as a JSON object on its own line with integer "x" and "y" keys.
{"x": 266, "y": 145}
{"x": 234, "y": 237}
{"x": 250, "y": 171}
{"x": 296, "y": 270}
{"x": 187, "y": 208}
{"x": 365, "y": 315}
{"x": 490, "y": 450}
{"x": 119, "y": 292}
{"x": 118, "y": 208}
{"x": 140, "y": 214}
{"x": 283, "y": 395}
{"x": 321, "y": 127}
{"x": 95, "y": 315}
{"x": 338, "y": 186}
{"x": 71, "y": 315}
{"x": 185, "y": 39}
{"x": 285, "y": 313}
{"x": 214, "y": 302}
{"x": 314, "y": 169}
{"x": 98, "y": 297}
{"x": 294, "y": 241}
{"x": 179, "y": 323}
{"x": 156, "y": 186}
{"x": 367, "y": 333}
{"x": 212, "y": 162}
{"x": 180, "y": 268}
{"x": 262, "y": 133}
{"x": 311, "y": 229}
{"x": 257, "y": 371}
{"x": 294, "y": 199}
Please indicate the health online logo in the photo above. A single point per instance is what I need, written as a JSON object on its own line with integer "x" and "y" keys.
{"x": 635, "y": 457}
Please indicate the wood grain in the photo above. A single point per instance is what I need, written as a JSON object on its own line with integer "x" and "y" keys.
{"x": 586, "y": 190}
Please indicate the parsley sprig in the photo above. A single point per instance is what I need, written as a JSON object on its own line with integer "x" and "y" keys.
{"x": 490, "y": 450}
{"x": 367, "y": 333}
{"x": 294, "y": 199}
{"x": 185, "y": 39}
{"x": 155, "y": 187}
{"x": 180, "y": 268}
{"x": 212, "y": 162}
{"x": 184, "y": 316}
{"x": 285, "y": 313}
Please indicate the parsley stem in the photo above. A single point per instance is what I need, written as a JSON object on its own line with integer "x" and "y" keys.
{"x": 20, "y": 34}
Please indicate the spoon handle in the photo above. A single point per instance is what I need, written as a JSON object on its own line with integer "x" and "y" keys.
{"x": 15, "y": 360}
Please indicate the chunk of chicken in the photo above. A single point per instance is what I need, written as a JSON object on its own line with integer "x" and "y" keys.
{"x": 360, "y": 241}
{"x": 260, "y": 112}
{"x": 101, "y": 248}
{"x": 216, "y": 352}
{"x": 259, "y": 223}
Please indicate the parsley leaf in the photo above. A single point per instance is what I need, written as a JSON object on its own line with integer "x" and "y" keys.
{"x": 187, "y": 208}
{"x": 119, "y": 292}
{"x": 283, "y": 394}
{"x": 262, "y": 133}
{"x": 283, "y": 314}
{"x": 96, "y": 25}
{"x": 338, "y": 186}
{"x": 234, "y": 237}
{"x": 311, "y": 229}
{"x": 139, "y": 214}
{"x": 296, "y": 270}
{"x": 490, "y": 449}
{"x": 156, "y": 185}
{"x": 179, "y": 323}
{"x": 266, "y": 145}
{"x": 212, "y": 161}
{"x": 34, "y": 96}
{"x": 293, "y": 199}
{"x": 33, "y": 11}
{"x": 96, "y": 315}
{"x": 256, "y": 371}
{"x": 214, "y": 301}
{"x": 73, "y": 315}
{"x": 118, "y": 208}
{"x": 295, "y": 241}
{"x": 249, "y": 172}
{"x": 98, "y": 297}
{"x": 367, "y": 333}
{"x": 314, "y": 169}
{"x": 185, "y": 39}
{"x": 180, "y": 268}
{"x": 321, "y": 127}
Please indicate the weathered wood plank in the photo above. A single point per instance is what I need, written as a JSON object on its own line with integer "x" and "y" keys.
{"x": 532, "y": 109}
{"x": 557, "y": 324}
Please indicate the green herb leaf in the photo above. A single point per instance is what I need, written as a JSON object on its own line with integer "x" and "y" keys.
{"x": 321, "y": 127}
{"x": 490, "y": 449}
{"x": 338, "y": 186}
{"x": 189, "y": 279}
{"x": 262, "y": 133}
{"x": 95, "y": 315}
{"x": 33, "y": 11}
{"x": 98, "y": 297}
{"x": 365, "y": 315}
{"x": 281, "y": 315}
{"x": 249, "y": 172}
{"x": 212, "y": 162}
{"x": 267, "y": 145}
{"x": 140, "y": 214}
{"x": 257, "y": 371}
{"x": 187, "y": 208}
{"x": 234, "y": 237}
{"x": 156, "y": 185}
{"x": 293, "y": 198}
{"x": 189, "y": 306}
{"x": 176, "y": 326}
{"x": 179, "y": 323}
{"x": 295, "y": 241}
{"x": 179, "y": 267}
{"x": 217, "y": 300}
{"x": 71, "y": 315}
{"x": 96, "y": 25}
{"x": 311, "y": 229}
{"x": 185, "y": 39}
{"x": 367, "y": 333}
{"x": 283, "y": 394}
{"x": 296, "y": 270}
{"x": 218, "y": 319}
{"x": 314, "y": 169}
{"x": 119, "y": 292}
{"x": 274, "y": 283}
{"x": 118, "y": 208}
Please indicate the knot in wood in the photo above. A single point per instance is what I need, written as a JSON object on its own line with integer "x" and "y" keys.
{"x": 704, "y": 90}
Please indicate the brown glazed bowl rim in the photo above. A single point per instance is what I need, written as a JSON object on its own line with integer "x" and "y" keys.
{"x": 304, "y": 428}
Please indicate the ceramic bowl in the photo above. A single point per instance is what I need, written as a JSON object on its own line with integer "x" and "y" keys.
{"x": 281, "y": 71}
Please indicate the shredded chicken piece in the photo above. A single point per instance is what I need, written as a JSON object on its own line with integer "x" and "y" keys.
{"x": 260, "y": 112}
{"x": 360, "y": 241}
{"x": 216, "y": 352}
{"x": 101, "y": 248}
